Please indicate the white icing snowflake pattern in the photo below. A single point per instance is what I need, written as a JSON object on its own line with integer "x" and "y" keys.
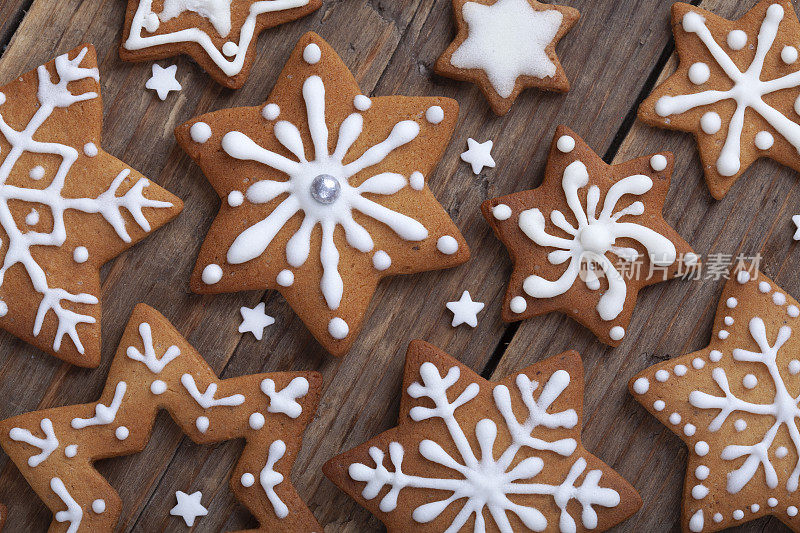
{"x": 486, "y": 481}
{"x": 18, "y": 248}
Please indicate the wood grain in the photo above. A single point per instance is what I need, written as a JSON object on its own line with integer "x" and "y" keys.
{"x": 613, "y": 56}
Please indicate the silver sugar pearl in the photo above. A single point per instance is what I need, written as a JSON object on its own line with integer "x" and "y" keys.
{"x": 325, "y": 189}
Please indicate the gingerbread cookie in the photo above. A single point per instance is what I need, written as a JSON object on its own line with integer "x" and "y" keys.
{"x": 219, "y": 34}
{"x": 735, "y": 89}
{"x": 66, "y": 207}
{"x": 734, "y": 403}
{"x": 591, "y": 259}
{"x": 156, "y": 368}
{"x": 469, "y": 454}
{"x": 505, "y": 46}
{"x": 323, "y": 192}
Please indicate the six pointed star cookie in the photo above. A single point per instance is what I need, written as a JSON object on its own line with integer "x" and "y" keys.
{"x": 156, "y": 368}
{"x": 469, "y": 454}
{"x": 505, "y": 46}
{"x": 220, "y": 35}
{"x": 324, "y": 193}
{"x": 66, "y": 207}
{"x": 735, "y": 88}
{"x": 735, "y": 405}
{"x": 588, "y": 238}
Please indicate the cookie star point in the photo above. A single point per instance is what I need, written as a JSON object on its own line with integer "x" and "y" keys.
{"x": 163, "y": 80}
{"x": 189, "y": 507}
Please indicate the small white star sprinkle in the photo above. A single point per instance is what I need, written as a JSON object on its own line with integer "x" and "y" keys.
{"x": 796, "y": 220}
{"x": 465, "y": 311}
{"x": 478, "y": 155}
{"x": 163, "y": 80}
{"x": 189, "y": 507}
{"x": 255, "y": 320}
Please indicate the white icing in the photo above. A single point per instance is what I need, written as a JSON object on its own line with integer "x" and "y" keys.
{"x": 99, "y": 506}
{"x": 230, "y": 49}
{"x": 616, "y": 333}
{"x": 478, "y": 155}
{"x": 507, "y": 39}
{"x": 565, "y": 144}
{"x": 189, "y": 507}
{"x": 255, "y": 320}
{"x": 731, "y": 302}
{"x": 202, "y": 423}
{"x": 256, "y": 421}
{"x": 269, "y": 478}
{"x": 338, "y": 328}
{"x": 434, "y": 114}
{"x": 47, "y": 444}
{"x": 235, "y": 198}
{"x": 501, "y": 212}
{"x": 361, "y": 102}
{"x": 696, "y": 522}
{"x": 699, "y": 73}
{"x": 200, "y": 132}
{"x": 154, "y": 363}
{"x": 163, "y": 81}
{"x": 689, "y": 429}
{"x": 36, "y": 172}
{"x": 465, "y": 311}
{"x": 416, "y": 181}
{"x": 32, "y": 218}
{"x": 80, "y": 254}
{"x": 743, "y": 276}
{"x": 73, "y": 514}
{"x": 285, "y": 278}
{"x": 381, "y": 260}
{"x": 248, "y": 479}
{"x": 658, "y": 162}
{"x": 212, "y": 274}
{"x": 271, "y": 111}
{"x": 285, "y": 400}
{"x": 789, "y": 54}
{"x": 122, "y": 433}
{"x": 158, "y": 387}
{"x": 659, "y": 405}
{"x": 764, "y": 287}
{"x": 680, "y": 370}
{"x": 447, "y": 244}
{"x": 90, "y": 149}
{"x": 312, "y": 54}
{"x": 772, "y": 502}
{"x": 206, "y": 399}
{"x": 764, "y": 140}
{"x": 103, "y": 414}
{"x": 736, "y": 39}
{"x": 662, "y": 375}
{"x": 738, "y": 514}
{"x": 641, "y": 385}
{"x": 71, "y": 450}
{"x": 715, "y": 356}
{"x": 518, "y": 304}
{"x": 593, "y": 237}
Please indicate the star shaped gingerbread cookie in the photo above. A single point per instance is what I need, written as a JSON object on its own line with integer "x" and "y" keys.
{"x": 469, "y": 454}
{"x": 736, "y": 89}
{"x": 66, "y": 207}
{"x": 219, "y": 34}
{"x": 735, "y": 404}
{"x": 505, "y": 46}
{"x": 589, "y": 238}
{"x": 323, "y": 193}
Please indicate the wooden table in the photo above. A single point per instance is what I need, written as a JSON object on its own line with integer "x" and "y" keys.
{"x": 613, "y": 57}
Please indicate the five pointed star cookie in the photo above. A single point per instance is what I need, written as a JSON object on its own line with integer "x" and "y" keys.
{"x": 255, "y": 320}
{"x": 505, "y": 46}
{"x": 735, "y": 405}
{"x": 735, "y": 89}
{"x": 189, "y": 507}
{"x": 588, "y": 238}
{"x": 220, "y": 35}
{"x": 465, "y": 311}
{"x": 484, "y": 456}
{"x": 163, "y": 80}
{"x": 155, "y": 368}
{"x": 66, "y": 207}
{"x": 323, "y": 193}
{"x": 478, "y": 155}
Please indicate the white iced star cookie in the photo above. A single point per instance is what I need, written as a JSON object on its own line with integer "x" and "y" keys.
{"x": 465, "y": 311}
{"x": 189, "y": 507}
{"x": 478, "y": 155}
{"x": 255, "y": 320}
{"x": 507, "y": 45}
{"x": 163, "y": 80}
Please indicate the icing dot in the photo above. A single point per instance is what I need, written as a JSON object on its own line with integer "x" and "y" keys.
{"x": 90, "y": 149}
{"x": 658, "y": 162}
{"x": 781, "y": 452}
{"x": 501, "y": 212}
{"x": 699, "y": 73}
{"x": 518, "y": 304}
{"x": 285, "y": 278}
{"x": 338, "y": 328}
{"x": 99, "y": 506}
{"x": 662, "y": 375}
{"x": 723, "y": 334}
{"x": 3, "y": 308}
{"x": 737, "y": 39}
{"x": 158, "y": 387}
{"x": 731, "y": 302}
{"x": 699, "y": 492}
{"x": 689, "y": 429}
{"x": 235, "y": 198}
{"x": 362, "y": 103}
{"x": 680, "y": 370}
{"x": 416, "y": 180}
{"x": 710, "y": 122}
{"x": 641, "y": 385}
{"x": 565, "y": 144}
{"x": 36, "y": 172}
{"x": 71, "y": 450}
{"x": 764, "y": 140}
{"x": 702, "y": 472}
{"x": 256, "y": 421}
{"x": 312, "y": 54}
{"x": 794, "y": 367}
{"x": 728, "y": 320}
{"x": 718, "y": 517}
{"x": 434, "y": 114}
{"x": 212, "y": 274}
{"x": 715, "y": 356}
{"x": 692, "y": 22}
{"x": 32, "y": 218}
{"x": 738, "y": 514}
{"x": 740, "y": 425}
{"x": 793, "y": 311}
{"x": 743, "y": 276}
{"x": 754, "y": 508}
{"x": 2, "y": 98}
{"x": 698, "y": 363}
{"x": 772, "y": 502}
{"x": 381, "y": 260}
{"x": 675, "y": 419}
{"x": 763, "y": 286}
{"x": 248, "y": 479}
{"x": 80, "y": 254}
{"x": 797, "y": 105}
{"x": 750, "y": 381}
{"x": 202, "y": 424}
{"x": 791, "y": 510}
{"x": 200, "y": 132}
{"x": 659, "y": 405}
{"x": 230, "y": 48}
{"x": 779, "y": 298}
{"x": 447, "y": 245}
{"x": 789, "y": 54}
{"x": 271, "y": 111}
{"x": 122, "y": 433}
{"x": 151, "y": 22}
{"x": 701, "y": 448}
{"x": 616, "y": 333}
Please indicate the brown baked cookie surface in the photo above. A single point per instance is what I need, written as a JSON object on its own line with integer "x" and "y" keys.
{"x": 66, "y": 207}
{"x": 155, "y": 368}
{"x": 506, "y": 46}
{"x": 323, "y": 193}
{"x": 589, "y": 238}
{"x": 734, "y": 404}
{"x": 469, "y": 454}
{"x": 220, "y": 35}
{"x": 735, "y": 89}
